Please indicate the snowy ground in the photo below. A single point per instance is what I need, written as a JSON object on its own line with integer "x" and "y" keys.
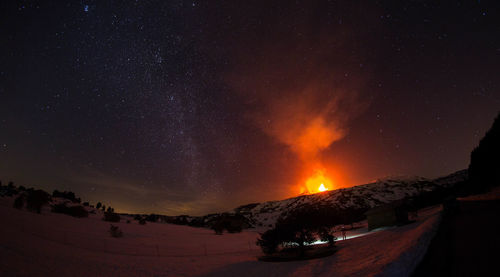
{"x": 56, "y": 244}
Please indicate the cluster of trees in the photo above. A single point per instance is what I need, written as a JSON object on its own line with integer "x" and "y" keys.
{"x": 75, "y": 211}
{"x": 66, "y": 195}
{"x": 140, "y": 219}
{"x": 34, "y": 200}
{"x": 143, "y": 218}
{"x": 10, "y": 189}
{"x": 152, "y": 218}
{"x": 111, "y": 216}
{"x": 109, "y": 213}
{"x": 182, "y": 220}
{"x": 103, "y": 208}
{"x": 80, "y": 211}
{"x": 301, "y": 226}
{"x": 232, "y": 223}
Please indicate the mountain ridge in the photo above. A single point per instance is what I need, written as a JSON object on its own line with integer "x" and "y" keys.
{"x": 360, "y": 197}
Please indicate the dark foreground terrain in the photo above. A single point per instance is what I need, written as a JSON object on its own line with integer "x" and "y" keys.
{"x": 468, "y": 240}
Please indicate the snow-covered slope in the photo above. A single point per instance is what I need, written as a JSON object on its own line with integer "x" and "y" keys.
{"x": 51, "y": 244}
{"x": 366, "y": 196}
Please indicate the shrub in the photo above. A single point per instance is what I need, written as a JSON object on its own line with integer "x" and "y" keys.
{"x": 111, "y": 217}
{"x": 10, "y": 190}
{"x": 197, "y": 222}
{"x": 152, "y": 218}
{"x": 36, "y": 199}
{"x": 66, "y": 195}
{"x": 325, "y": 234}
{"x": 218, "y": 228}
{"x": 142, "y": 221}
{"x": 19, "y": 202}
{"x": 115, "y": 231}
{"x": 269, "y": 241}
{"x": 233, "y": 223}
{"x": 75, "y": 211}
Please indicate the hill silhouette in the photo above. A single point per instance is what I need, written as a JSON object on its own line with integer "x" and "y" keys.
{"x": 484, "y": 167}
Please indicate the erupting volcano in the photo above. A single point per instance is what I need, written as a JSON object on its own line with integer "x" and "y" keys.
{"x": 318, "y": 182}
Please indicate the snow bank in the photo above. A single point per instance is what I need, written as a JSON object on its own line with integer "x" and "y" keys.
{"x": 417, "y": 246}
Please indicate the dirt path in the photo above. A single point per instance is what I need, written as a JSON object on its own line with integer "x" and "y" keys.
{"x": 467, "y": 243}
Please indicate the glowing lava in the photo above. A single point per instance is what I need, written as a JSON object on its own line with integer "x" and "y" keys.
{"x": 318, "y": 182}
{"x": 322, "y": 188}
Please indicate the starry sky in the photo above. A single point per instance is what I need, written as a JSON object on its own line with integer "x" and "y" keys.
{"x": 187, "y": 107}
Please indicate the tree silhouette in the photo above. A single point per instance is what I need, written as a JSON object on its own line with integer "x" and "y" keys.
{"x": 36, "y": 199}
{"x": 484, "y": 167}
{"x": 301, "y": 226}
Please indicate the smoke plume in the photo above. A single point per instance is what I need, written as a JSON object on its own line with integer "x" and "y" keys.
{"x": 302, "y": 88}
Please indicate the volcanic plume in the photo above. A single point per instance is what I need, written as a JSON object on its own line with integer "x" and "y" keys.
{"x": 301, "y": 90}
{"x": 308, "y": 115}
{"x": 308, "y": 121}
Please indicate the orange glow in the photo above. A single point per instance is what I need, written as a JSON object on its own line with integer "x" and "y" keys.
{"x": 313, "y": 137}
{"x": 318, "y": 182}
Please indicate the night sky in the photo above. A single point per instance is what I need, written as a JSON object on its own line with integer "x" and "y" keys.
{"x": 187, "y": 107}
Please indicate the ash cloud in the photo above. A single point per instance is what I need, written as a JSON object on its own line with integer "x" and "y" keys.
{"x": 301, "y": 95}
{"x": 302, "y": 83}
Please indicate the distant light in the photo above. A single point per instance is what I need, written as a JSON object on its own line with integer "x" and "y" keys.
{"x": 85, "y": 8}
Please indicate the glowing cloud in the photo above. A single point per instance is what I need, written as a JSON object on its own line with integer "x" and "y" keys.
{"x": 299, "y": 93}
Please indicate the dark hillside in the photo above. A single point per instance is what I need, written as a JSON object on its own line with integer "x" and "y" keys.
{"x": 484, "y": 168}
